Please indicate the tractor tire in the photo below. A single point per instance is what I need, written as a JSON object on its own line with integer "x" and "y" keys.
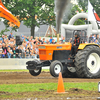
{"x": 35, "y": 72}
{"x": 55, "y": 68}
{"x": 87, "y": 62}
{"x": 67, "y": 73}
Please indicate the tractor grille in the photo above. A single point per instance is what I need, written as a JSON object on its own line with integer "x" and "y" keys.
{"x": 42, "y": 52}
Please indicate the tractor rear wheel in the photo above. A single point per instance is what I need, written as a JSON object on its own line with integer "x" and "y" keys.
{"x": 55, "y": 68}
{"x": 35, "y": 72}
{"x": 87, "y": 62}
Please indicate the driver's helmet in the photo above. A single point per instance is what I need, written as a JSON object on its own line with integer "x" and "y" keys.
{"x": 78, "y": 35}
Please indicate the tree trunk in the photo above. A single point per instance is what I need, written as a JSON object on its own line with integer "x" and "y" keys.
{"x": 32, "y": 30}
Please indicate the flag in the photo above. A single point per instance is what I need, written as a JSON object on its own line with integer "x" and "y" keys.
{"x": 5, "y": 13}
{"x": 92, "y": 15}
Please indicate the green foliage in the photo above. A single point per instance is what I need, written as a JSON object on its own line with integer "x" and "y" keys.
{"x": 95, "y": 3}
{"x": 73, "y": 11}
{"x": 79, "y": 22}
{"x": 2, "y": 32}
{"x": 32, "y": 12}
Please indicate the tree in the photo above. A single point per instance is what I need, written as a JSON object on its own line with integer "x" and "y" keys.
{"x": 32, "y": 12}
{"x": 95, "y": 3}
{"x": 70, "y": 13}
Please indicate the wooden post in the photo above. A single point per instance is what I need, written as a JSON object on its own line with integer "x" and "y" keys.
{"x": 57, "y": 38}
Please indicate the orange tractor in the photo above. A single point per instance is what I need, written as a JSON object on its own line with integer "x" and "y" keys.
{"x": 85, "y": 63}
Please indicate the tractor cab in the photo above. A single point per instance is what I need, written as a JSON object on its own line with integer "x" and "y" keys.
{"x": 70, "y": 36}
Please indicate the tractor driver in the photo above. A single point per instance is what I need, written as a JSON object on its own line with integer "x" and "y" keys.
{"x": 75, "y": 44}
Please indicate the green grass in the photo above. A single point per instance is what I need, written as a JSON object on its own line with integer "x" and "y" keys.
{"x": 16, "y": 70}
{"x": 15, "y": 88}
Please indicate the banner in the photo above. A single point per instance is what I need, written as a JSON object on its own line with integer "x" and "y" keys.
{"x": 92, "y": 15}
{"x": 5, "y": 13}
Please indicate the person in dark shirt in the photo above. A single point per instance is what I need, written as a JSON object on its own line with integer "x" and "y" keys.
{"x": 18, "y": 52}
{"x": 90, "y": 39}
{"x": 40, "y": 41}
{"x": 75, "y": 44}
{"x": 10, "y": 36}
{"x": 4, "y": 50}
{"x": 15, "y": 53}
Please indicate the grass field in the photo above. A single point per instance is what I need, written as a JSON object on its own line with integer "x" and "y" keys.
{"x": 19, "y": 70}
{"x": 13, "y": 88}
{"x": 45, "y": 90}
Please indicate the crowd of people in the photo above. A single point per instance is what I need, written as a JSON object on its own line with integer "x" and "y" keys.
{"x": 29, "y": 47}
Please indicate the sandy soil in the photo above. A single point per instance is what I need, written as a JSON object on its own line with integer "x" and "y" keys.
{"x": 45, "y": 77}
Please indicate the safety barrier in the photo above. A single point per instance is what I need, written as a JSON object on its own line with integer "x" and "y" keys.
{"x": 13, "y": 63}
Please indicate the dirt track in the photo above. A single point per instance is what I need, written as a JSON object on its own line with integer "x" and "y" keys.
{"x": 44, "y": 77}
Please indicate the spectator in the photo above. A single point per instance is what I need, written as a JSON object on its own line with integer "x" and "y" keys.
{"x": 28, "y": 45}
{"x": 22, "y": 36}
{"x": 0, "y": 41}
{"x": 47, "y": 41}
{"x": 90, "y": 39}
{"x": 12, "y": 41}
{"x": 11, "y": 46}
{"x": 10, "y": 36}
{"x": 4, "y": 50}
{"x": 27, "y": 53}
{"x": 27, "y": 38}
{"x": 36, "y": 39}
{"x": 37, "y": 51}
{"x": 24, "y": 40}
{"x": 30, "y": 42}
{"x": 94, "y": 37}
{"x": 32, "y": 54}
{"x": 1, "y": 50}
{"x": 43, "y": 40}
{"x": 40, "y": 41}
{"x": 37, "y": 42}
{"x": 96, "y": 41}
{"x": 9, "y": 52}
{"x": 18, "y": 52}
{"x": 98, "y": 38}
{"x": 50, "y": 40}
{"x": 63, "y": 40}
{"x": 60, "y": 42}
{"x": 5, "y": 37}
{"x": 53, "y": 41}
{"x": 2, "y": 38}
{"x": 31, "y": 37}
{"x": 23, "y": 52}
{"x": 14, "y": 55}
{"x": 24, "y": 46}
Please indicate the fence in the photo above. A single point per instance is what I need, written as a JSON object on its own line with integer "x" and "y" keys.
{"x": 14, "y": 63}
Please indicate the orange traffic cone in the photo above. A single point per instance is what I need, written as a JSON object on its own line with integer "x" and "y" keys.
{"x": 60, "y": 88}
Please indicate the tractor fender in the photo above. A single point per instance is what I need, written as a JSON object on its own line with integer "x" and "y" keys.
{"x": 83, "y": 45}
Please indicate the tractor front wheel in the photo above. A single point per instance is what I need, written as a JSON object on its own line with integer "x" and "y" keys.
{"x": 55, "y": 68}
{"x": 35, "y": 72}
